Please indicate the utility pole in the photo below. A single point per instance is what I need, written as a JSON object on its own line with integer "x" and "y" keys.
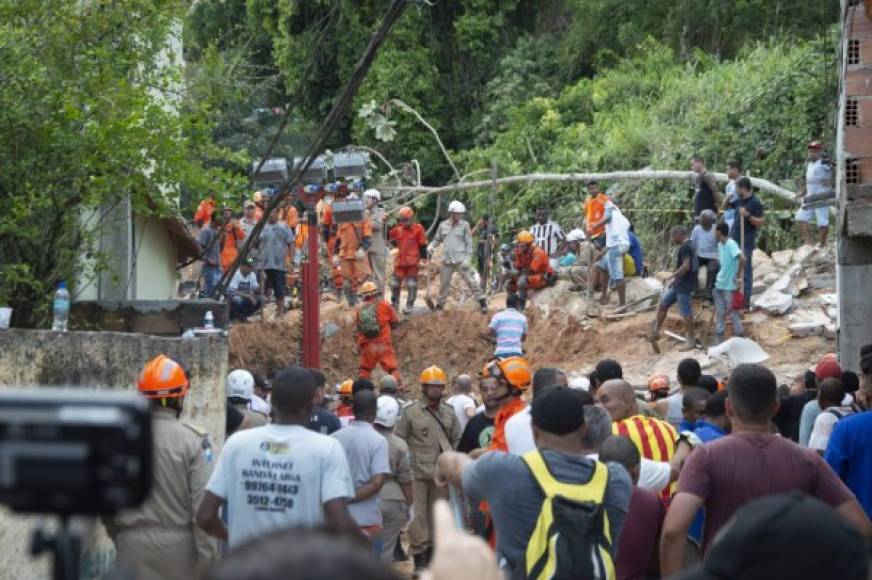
{"x": 311, "y": 283}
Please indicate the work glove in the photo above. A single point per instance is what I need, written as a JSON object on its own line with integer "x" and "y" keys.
{"x": 361, "y": 253}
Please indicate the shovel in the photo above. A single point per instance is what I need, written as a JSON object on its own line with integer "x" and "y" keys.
{"x": 738, "y": 295}
{"x": 427, "y": 299}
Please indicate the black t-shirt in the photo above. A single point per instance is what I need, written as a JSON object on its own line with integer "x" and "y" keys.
{"x": 323, "y": 421}
{"x": 478, "y": 433}
{"x": 789, "y": 414}
{"x": 755, "y": 208}
{"x": 703, "y": 194}
{"x": 687, "y": 283}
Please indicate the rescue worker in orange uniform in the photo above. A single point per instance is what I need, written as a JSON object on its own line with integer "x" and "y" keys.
{"x": 353, "y": 239}
{"x": 232, "y": 236}
{"x": 374, "y": 320}
{"x": 532, "y": 268}
{"x": 329, "y": 232}
{"x": 410, "y": 239}
{"x": 506, "y": 381}
{"x": 158, "y": 540}
{"x": 344, "y": 410}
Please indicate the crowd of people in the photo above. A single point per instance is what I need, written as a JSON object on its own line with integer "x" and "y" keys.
{"x": 529, "y": 475}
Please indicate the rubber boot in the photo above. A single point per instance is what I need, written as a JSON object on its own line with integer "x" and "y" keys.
{"x": 399, "y": 554}
{"x": 410, "y": 301}
{"x": 420, "y": 562}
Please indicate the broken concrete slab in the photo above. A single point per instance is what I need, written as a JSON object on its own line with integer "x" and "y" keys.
{"x": 802, "y": 253}
{"x": 638, "y": 288}
{"x": 760, "y": 257}
{"x": 770, "y": 278}
{"x": 773, "y": 302}
{"x": 763, "y": 271}
{"x": 808, "y": 323}
{"x": 821, "y": 281}
{"x": 783, "y": 258}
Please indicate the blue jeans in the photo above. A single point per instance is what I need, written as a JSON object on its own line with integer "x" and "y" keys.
{"x": 242, "y": 308}
{"x": 211, "y": 276}
{"x": 613, "y": 262}
{"x": 723, "y": 304}
{"x": 748, "y": 282}
{"x": 682, "y": 298}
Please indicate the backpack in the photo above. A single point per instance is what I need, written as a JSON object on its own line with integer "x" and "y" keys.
{"x": 367, "y": 323}
{"x": 571, "y": 539}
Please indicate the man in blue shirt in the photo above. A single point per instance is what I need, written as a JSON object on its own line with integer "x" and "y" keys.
{"x": 508, "y": 329}
{"x": 849, "y": 451}
{"x": 714, "y": 423}
{"x": 750, "y": 211}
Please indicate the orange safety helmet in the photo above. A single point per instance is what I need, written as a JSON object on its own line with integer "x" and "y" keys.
{"x": 163, "y": 378}
{"x": 406, "y": 212}
{"x": 514, "y": 370}
{"x": 367, "y": 289}
{"x": 345, "y": 388}
{"x": 659, "y": 382}
{"x": 525, "y": 237}
{"x": 433, "y": 376}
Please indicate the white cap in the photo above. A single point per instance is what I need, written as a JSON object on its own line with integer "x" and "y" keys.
{"x": 240, "y": 384}
{"x": 456, "y": 207}
{"x": 387, "y": 411}
{"x": 372, "y": 193}
{"x": 575, "y": 235}
{"x": 580, "y": 383}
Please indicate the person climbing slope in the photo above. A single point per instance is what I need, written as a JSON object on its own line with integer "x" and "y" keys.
{"x": 374, "y": 320}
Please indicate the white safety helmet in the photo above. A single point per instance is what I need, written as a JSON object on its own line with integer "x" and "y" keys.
{"x": 387, "y": 411}
{"x": 240, "y": 384}
{"x": 456, "y": 207}
{"x": 374, "y": 193}
{"x": 575, "y": 235}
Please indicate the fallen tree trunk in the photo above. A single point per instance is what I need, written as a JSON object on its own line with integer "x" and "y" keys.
{"x": 644, "y": 174}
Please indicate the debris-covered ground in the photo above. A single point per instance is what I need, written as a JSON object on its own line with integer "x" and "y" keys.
{"x": 561, "y": 333}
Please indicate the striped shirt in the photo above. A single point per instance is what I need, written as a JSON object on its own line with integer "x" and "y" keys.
{"x": 655, "y": 439}
{"x": 509, "y": 326}
{"x": 548, "y": 236}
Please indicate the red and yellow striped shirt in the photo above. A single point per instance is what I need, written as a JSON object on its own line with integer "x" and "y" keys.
{"x": 655, "y": 439}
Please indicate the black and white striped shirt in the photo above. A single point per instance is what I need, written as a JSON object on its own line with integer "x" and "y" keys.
{"x": 548, "y": 236}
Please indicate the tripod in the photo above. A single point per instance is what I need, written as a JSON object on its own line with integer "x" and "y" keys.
{"x": 65, "y": 546}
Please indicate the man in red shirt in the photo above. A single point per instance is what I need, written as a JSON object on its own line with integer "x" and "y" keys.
{"x": 410, "y": 240}
{"x": 532, "y": 268}
{"x": 374, "y": 320}
{"x": 725, "y": 474}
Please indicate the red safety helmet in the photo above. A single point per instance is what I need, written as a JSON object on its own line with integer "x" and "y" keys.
{"x": 163, "y": 378}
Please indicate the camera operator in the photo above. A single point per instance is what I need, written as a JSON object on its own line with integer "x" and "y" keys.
{"x": 159, "y": 541}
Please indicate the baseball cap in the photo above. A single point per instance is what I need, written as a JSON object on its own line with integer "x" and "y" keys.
{"x": 558, "y": 410}
{"x": 828, "y": 368}
{"x": 387, "y": 411}
{"x": 784, "y": 536}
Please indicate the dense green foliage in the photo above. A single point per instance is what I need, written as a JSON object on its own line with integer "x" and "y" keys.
{"x": 86, "y": 111}
{"x": 567, "y": 85}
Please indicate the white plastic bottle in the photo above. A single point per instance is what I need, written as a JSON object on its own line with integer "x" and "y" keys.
{"x": 61, "y": 308}
{"x": 209, "y": 320}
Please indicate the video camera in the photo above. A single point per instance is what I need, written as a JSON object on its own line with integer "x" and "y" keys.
{"x": 73, "y": 452}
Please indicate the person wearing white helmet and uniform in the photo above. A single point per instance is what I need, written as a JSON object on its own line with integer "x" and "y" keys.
{"x": 456, "y": 236}
{"x": 240, "y": 394}
{"x": 378, "y": 246}
{"x": 570, "y": 266}
{"x": 396, "y": 494}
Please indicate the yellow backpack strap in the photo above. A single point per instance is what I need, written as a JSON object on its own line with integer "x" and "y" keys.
{"x": 593, "y": 491}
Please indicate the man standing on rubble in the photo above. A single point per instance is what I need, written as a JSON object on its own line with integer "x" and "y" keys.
{"x": 817, "y": 187}
{"x": 410, "y": 240}
{"x": 457, "y": 237}
{"x": 617, "y": 243}
{"x": 749, "y": 211}
{"x": 374, "y": 321}
{"x": 429, "y": 427}
{"x": 378, "y": 248}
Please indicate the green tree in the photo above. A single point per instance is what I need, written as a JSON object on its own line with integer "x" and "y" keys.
{"x": 93, "y": 112}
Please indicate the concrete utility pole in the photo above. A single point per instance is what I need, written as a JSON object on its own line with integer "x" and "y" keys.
{"x": 854, "y": 183}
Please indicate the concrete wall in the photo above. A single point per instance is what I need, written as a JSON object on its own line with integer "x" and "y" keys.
{"x": 101, "y": 360}
{"x": 155, "y": 261}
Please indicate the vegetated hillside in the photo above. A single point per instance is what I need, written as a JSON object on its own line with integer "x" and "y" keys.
{"x": 545, "y": 85}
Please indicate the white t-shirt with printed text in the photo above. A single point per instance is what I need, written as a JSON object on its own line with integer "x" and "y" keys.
{"x": 278, "y": 476}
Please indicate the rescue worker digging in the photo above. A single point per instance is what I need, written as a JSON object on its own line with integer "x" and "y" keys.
{"x": 374, "y": 320}
{"x": 429, "y": 427}
{"x": 457, "y": 237}
{"x": 411, "y": 243}
{"x": 158, "y": 541}
{"x": 532, "y": 268}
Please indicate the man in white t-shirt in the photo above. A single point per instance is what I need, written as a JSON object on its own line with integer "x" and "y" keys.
{"x": 818, "y": 189}
{"x": 243, "y": 292}
{"x": 831, "y": 394}
{"x": 279, "y": 475}
{"x": 617, "y": 244}
{"x": 519, "y": 428}
{"x": 462, "y": 402}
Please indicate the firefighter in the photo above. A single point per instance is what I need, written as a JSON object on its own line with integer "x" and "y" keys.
{"x": 329, "y": 232}
{"x": 457, "y": 238}
{"x": 429, "y": 426}
{"x": 532, "y": 268}
{"x": 344, "y": 410}
{"x": 411, "y": 243}
{"x": 353, "y": 239}
{"x": 378, "y": 248}
{"x": 505, "y": 381}
{"x": 374, "y": 320}
{"x": 158, "y": 540}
